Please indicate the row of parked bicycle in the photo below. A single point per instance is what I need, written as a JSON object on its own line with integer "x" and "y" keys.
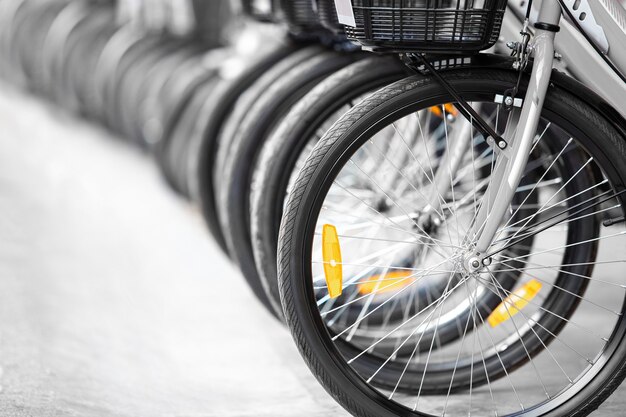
{"x": 441, "y": 229}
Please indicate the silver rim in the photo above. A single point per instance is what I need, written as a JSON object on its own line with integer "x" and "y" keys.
{"x": 402, "y": 285}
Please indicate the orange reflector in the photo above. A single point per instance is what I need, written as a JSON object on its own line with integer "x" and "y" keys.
{"x": 391, "y": 281}
{"x": 331, "y": 253}
{"x": 514, "y": 303}
{"x": 448, "y": 107}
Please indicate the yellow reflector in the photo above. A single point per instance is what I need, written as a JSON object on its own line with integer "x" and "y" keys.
{"x": 391, "y": 281}
{"x": 331, "y": 253}
{"x": 514, "y": 303}
{"x": 449, "y": 108}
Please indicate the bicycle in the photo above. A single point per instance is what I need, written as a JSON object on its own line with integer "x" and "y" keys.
{"x": 435, "y": 268}
{"x": 259, "y": 108}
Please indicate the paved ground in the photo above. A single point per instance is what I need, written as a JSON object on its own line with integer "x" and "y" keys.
{"x": 113, "y": 299}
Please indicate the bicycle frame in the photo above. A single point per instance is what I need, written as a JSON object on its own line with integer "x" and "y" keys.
{"x": 581, "y": 59}
{"x": 603, "y": 75}
{"x": 519, "y": 135}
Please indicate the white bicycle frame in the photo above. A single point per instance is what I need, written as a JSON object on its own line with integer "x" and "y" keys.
{"x": 582, "y": 60}
{"x": 523, "y": 124}
{"x": 604, "y": 24}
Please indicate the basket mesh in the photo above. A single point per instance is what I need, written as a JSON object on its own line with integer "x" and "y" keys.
{"x": 427, "y": 25}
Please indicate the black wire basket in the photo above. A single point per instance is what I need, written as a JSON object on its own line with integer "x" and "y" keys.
{"x": 431, "y": 26}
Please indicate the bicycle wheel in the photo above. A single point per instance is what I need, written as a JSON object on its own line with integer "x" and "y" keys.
{"x": 31, "y": 29}
{"x": 179, "y": 133}
{"x": 57, "y": 45}
{"x": 235, "y": 71}
{"x": 555, "y": 342}
{"x": 117, "y": 59}
{"x": 145, "y": 78}
{"x": 134, "y": 72}
{"x": 166, "y": 102}
{"x": 9, "y": 12}
{"x": 237, "y": 161}
{"x": 285, "y": 150}
{"x": 251, "y": 95}
{"x": 234, "y": 78}
{"x": 107, "y": 60}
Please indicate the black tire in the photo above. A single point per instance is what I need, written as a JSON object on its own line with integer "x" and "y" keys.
{"x": 236, "y": 162}
{"x": 212, "y": 19}
{"x": 132, "y": 77}
{"x": 146, "y": 78}
{"x": 31, "y": 29}
{"x": 9, "y": 10}
{"x": 111, "y": 54}
{"x": 284, "y": 148}
{"x": 180, "y": 130}
{"x": 133, "y": 48}
{"x": 89, "y": 40}
{"x": 605, "y": 142}
{"x": 184, "y": 149}
{"x": 204, "y": 145}
{"x": 164, "y": 105}
{"x": 250, "y": 96}
{"x": 57, "y": 47}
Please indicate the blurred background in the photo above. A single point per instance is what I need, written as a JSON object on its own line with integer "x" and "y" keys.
{"x": 115, "y": 297}
{"x": 114, "y": 300}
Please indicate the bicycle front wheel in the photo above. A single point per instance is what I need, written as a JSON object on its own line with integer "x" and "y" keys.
{"x": 538, "y": 331}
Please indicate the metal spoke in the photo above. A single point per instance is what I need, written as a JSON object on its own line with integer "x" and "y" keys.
{"x": 442, "y": 299}
{"x": 530, "y": 302}
{"x": 568, "y": 245}
{"x": 563, "y": 289}
{"x": 361, "y": 318}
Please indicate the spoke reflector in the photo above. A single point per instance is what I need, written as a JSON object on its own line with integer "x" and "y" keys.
{"x": 331, "y": 253}
{"x": 389, "y": 282}
{"x": 448, "y": 107}
{"x": 514, "y": 303}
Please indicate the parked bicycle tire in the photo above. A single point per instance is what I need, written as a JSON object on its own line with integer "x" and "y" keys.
{"x": 9, "y": 10}
{"x": 183, "y": 128}
{"x": 229, "y": 125}
{"x": 129, "y": 78}
{"x": 57, "y": 46}
{"x": 121, "y": 50}
{"x": 346, "y": 379}
{"x": 288, "y": 145}
{"x": 28, "y": 37}
{"x": 204, "y": 146}
{"x": 146, "y": 75}
{"x": 165, "y": 103}
{"x": 236, "y": 160}
{"x": 89, "y": 40}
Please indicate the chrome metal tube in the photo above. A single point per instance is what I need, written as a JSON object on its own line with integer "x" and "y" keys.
{"x": 522, "y": 141}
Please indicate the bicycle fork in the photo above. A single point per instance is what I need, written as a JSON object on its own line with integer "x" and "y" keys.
{"x": 519, "y": 135}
